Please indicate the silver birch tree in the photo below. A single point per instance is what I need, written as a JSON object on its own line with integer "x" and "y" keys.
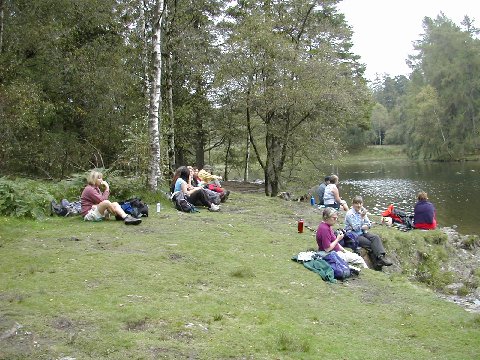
{"x": 154, "y": 113}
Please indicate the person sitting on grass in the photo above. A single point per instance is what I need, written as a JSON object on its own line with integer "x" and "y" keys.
{"x": 326, "y": 238}
{"x": 95, "y": 203}
{"x": 331, "y": 197}
{"x": 424, "y": 213}
{"x": 321, "y": 189}
{"x": 194, "y": 194}
{"x": 211, "y": 182}
{"x": 356, "y": 221}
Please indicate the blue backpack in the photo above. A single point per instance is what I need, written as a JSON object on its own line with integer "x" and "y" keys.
{"x": 340, "y": 268}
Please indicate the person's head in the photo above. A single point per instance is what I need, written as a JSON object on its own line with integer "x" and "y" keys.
{"x": 357, "y": 203}
{"x": 422, "y": 196}
{"x": 182, "y": 172}
{"x": 327, "y": 179}
{"x": 95, "y": 178}
{"x": 329, "y": 216}
{"x": 333, "y": 179}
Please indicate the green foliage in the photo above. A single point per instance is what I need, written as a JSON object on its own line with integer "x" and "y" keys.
{"x": 31, "y": 199}
{"x": 24, "y": 198}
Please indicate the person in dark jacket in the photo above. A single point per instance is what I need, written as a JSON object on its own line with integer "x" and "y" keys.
{"x": 424, "y": 213}
{"x": 321, "y": 189}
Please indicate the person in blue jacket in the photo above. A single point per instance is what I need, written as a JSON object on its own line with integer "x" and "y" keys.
{"x": 357, "y": 221}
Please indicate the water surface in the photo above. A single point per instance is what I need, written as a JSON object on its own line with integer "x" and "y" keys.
{"x": 454, "y": 188}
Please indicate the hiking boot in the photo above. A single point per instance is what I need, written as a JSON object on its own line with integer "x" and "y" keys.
{"x": 214, "y": 207}
{"x": 130, "y": 220}
{"x": 384, "y": 261}
{"x": 225, "y": 195}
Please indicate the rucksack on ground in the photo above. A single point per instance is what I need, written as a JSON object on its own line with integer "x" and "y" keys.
{"x": 341, "y": 271}
{"x": 181, "y": 203}
{"x": 135, "y": 207}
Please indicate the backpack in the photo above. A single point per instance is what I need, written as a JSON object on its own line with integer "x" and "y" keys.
{"x": 181, "y": 202}
{"x": 57, "y": 209}
{"x": 135, "y": 207}
{"x": 350, "y": 240}
{"x": 340, "y": 268}
{"x": 65, "y": 208}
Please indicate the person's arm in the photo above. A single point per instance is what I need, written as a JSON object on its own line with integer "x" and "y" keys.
{"x": 336, "y": 194}
{"x": 366, "y": 223}
{"x": 96, "y": 197}
{"x": 324, "y": 239}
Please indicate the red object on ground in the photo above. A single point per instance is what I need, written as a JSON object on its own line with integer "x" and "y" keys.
{"x": 300, "y": 226}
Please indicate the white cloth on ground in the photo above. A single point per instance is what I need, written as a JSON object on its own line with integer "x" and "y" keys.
{"x": 352, "y": 258}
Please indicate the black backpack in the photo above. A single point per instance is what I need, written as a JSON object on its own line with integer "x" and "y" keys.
{"x": 181, "y": 203}
{"x": 135, "y": 207}
{"x": 58, "y": 209}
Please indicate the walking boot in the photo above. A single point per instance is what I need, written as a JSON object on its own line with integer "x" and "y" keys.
{"x": 384, "y": 261}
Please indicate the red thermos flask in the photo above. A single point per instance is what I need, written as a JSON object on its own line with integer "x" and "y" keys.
{"x": 300, "y": 226}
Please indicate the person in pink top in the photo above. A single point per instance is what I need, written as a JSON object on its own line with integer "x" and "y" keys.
{"x": 95, "y": 203}
{"x": 326, "y": 239}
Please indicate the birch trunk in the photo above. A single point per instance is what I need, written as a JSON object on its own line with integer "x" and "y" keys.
{"x": 154, "y": 113}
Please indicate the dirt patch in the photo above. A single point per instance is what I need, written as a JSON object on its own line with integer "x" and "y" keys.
{"x": 243, "y": 187}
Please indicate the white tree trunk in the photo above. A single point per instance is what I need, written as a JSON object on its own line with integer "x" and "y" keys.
{"x": 154, "y": 113}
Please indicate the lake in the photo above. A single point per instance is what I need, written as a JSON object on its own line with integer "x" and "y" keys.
{"x": 454, "y": 188}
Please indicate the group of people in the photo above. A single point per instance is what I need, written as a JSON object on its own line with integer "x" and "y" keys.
{"x": 200, "y": 188}
{"x": 328, "y": 194}
{"x": 357, "y": 223}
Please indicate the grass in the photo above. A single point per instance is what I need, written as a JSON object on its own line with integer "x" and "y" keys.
{"x": 378, "y": 153}
{"x": 209, "y": 286}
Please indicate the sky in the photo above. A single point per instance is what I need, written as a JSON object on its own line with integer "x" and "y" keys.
{"x": 384, "y": 30}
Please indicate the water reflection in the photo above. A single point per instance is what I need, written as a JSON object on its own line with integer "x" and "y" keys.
{"x": 454, "y": 188}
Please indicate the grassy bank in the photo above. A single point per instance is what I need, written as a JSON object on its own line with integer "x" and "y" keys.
{"x": 378, "y": 153}
{"x": 208, "y": 286}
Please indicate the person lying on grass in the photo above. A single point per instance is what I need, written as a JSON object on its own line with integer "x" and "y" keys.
{"x": 95, "y": 203}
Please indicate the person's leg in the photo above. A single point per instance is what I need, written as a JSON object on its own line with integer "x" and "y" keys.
{"x": 376, "y": 246}
{"x": 375, "y": 243}
{"x": 116, "y": 209}
{"x": 199, "y": 198}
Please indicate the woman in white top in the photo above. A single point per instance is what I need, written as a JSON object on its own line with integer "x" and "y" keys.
{"x": 331, "y": 197}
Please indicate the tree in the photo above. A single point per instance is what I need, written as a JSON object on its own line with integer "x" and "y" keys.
{"x": 290, "y": 62}
{"x": 448, "y": 60}
{"x": 154, "y": 113}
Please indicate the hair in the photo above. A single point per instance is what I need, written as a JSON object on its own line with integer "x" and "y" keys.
{"x": 327, "y": 178}
{"x": 93, "y": 176}
{"x": 328, "y": 213}
{"x": 422, "y": 195}
{"x": 333, "y": 179}
{"x": 182, "y": 172}
{"x": 357, "y": 200}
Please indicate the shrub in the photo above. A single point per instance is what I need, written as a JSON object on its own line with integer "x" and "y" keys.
{"x": 24, "y": 198}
